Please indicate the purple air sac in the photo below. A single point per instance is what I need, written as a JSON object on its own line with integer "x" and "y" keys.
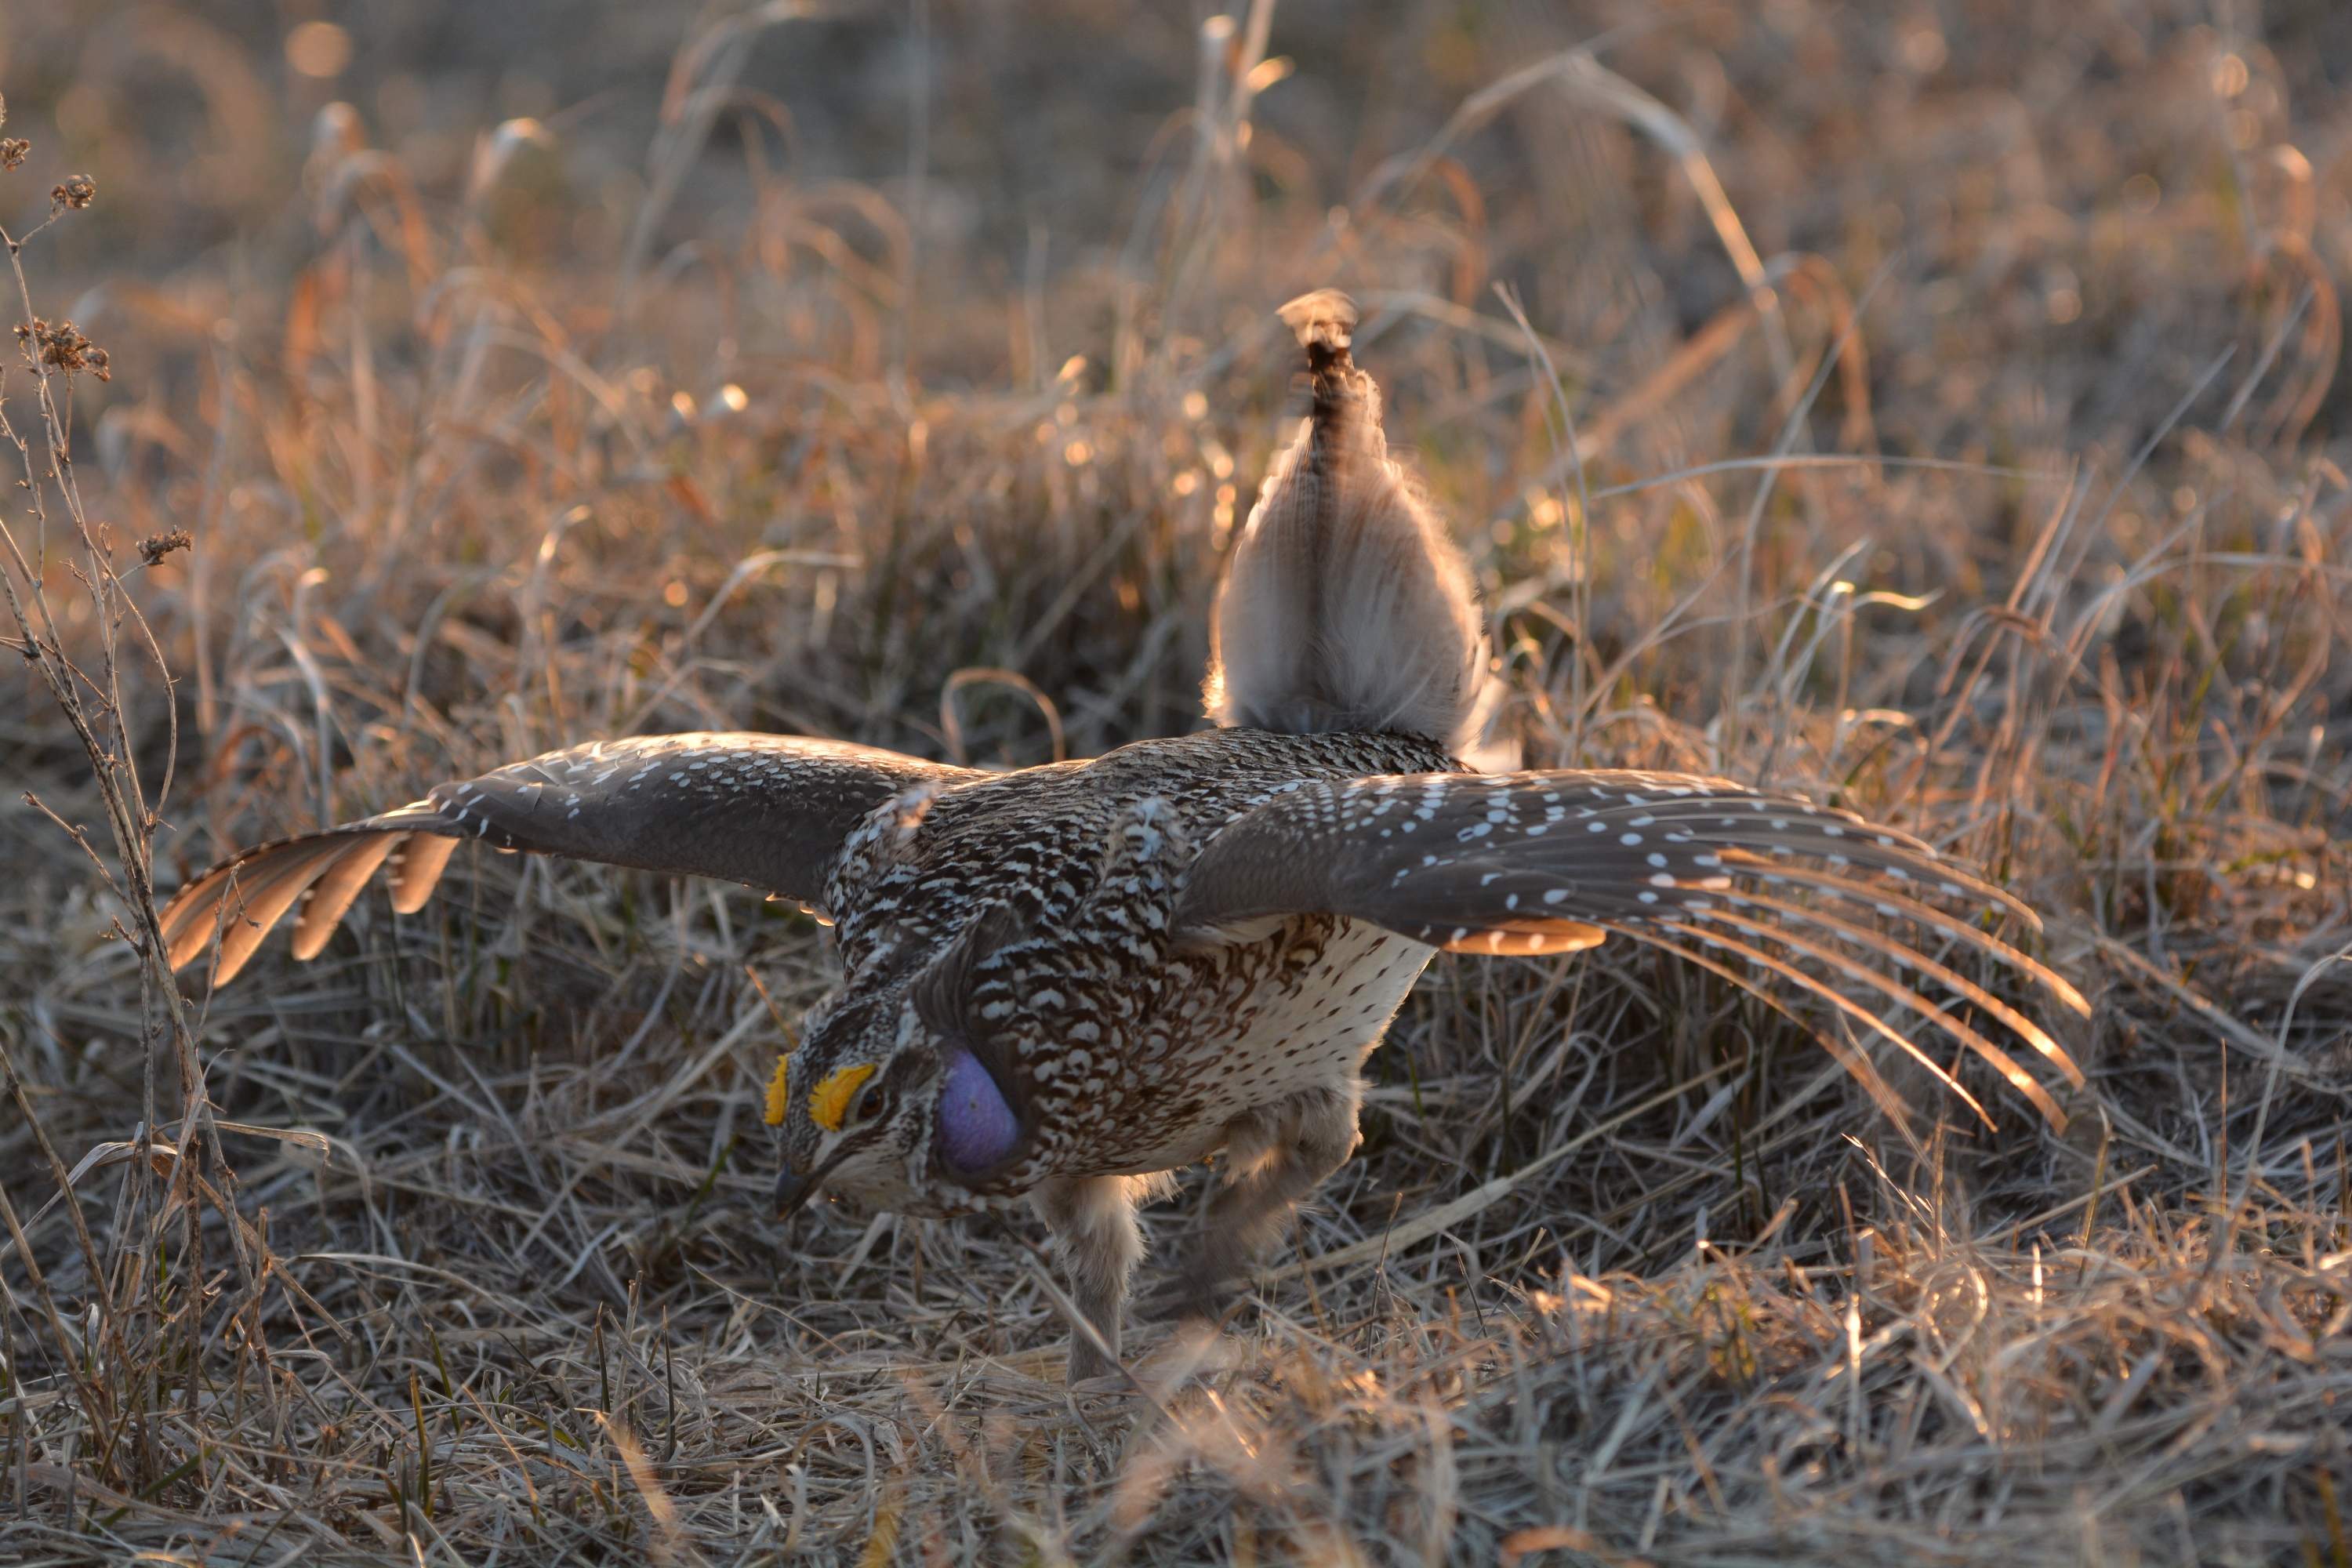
{"x": 977, "y": 1128}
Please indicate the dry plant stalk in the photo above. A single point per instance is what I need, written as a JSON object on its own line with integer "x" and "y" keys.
{"x": 150, "y": 1306}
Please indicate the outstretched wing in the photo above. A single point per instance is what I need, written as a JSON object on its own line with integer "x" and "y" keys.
{"x": 767, "y": 810}
{"x": 1704, "y": 868}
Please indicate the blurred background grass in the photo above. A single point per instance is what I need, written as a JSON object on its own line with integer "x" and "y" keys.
{"x": 538, "y": 372}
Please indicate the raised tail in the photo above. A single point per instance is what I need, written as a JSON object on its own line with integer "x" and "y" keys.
{"x": 1345, "y": 606}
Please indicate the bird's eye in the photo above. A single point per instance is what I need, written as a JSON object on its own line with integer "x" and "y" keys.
{"x": 869, "y": 1104}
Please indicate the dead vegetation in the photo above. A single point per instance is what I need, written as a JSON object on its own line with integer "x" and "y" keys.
{"x": 1932, "y": 411}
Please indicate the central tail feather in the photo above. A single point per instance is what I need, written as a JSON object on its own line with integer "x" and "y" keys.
{"x": 1346, "y": 607}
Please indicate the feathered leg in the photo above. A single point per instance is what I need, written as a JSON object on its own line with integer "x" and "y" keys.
{"x": 1093, "y": 1222}
{"x": 1275, "y": 1156}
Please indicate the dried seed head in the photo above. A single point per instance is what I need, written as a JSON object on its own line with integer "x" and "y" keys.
{"x": 152, "y": 549}
{"x": 13, "y": 150}
{"x": 64, "y": 346}
{"x": 78, "y": 191}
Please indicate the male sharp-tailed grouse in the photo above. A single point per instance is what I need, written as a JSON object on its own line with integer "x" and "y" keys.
{"x": 1064, "y": 981}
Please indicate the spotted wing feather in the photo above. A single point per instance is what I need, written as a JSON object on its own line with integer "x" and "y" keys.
{"x": 768, "y": 810}
{"x": 1550, "y": 862}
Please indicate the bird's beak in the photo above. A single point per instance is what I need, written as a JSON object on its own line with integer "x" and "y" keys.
{"x": 793, "y": 1191}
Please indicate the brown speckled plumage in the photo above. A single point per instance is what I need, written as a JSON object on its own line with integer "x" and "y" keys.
{"x": 1064, "y": 981}
{"x": 1128, "y": 1050}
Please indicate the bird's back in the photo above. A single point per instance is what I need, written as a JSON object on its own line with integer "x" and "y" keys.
{"x": 1040, "y": 840}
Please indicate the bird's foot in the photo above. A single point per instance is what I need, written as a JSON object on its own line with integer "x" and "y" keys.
{"x": 1209, "y": 1295}
{"x": 1089, "y": 1365}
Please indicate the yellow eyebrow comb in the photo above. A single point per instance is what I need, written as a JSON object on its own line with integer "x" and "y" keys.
{"x": 828, "y": 1102}
{"x": 778, "y": 1098}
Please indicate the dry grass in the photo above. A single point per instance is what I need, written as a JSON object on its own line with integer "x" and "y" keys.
{"x": 483, "y": 455}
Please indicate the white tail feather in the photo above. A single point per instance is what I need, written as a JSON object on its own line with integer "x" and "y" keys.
{"x": 1345, "y": 606}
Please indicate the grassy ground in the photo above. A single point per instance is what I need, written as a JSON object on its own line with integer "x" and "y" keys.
{"x": 1933, "y": 411}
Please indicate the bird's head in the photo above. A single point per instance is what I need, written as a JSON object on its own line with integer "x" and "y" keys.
{"x": 891, "y": 1101}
